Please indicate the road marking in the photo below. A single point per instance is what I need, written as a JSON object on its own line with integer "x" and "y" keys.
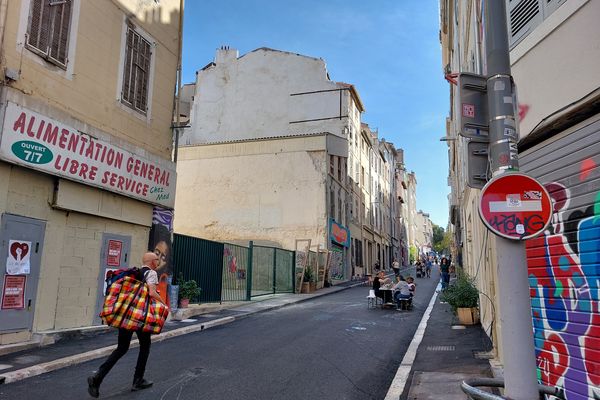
{"x": 399, "y": 381}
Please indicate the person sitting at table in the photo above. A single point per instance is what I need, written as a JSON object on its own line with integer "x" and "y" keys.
{"x": 411, "y": 285}
{"x": 380, "y": 280}
{"x": 402, "y": 293}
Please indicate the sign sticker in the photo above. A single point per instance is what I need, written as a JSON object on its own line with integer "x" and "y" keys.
{"x": 13, "y": 292}
{"x": 17, "y": 261}
{"x": 468, "y": 110}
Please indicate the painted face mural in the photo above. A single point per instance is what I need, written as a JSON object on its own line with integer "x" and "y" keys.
{"x": 564, "y": 274}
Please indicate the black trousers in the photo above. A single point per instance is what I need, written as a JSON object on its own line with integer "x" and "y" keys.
{"x": 122, "y": 347}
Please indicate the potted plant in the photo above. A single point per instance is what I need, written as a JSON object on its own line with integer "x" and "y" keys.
{"x": 463, "y": 297}
{"x": 307, "y": 280}
{"x": 188, "y": 290}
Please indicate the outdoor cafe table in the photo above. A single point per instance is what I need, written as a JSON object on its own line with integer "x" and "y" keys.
{"x": 388, "y": 298}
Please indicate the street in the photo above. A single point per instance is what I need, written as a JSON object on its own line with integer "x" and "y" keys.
{"x": 329, "y": 347}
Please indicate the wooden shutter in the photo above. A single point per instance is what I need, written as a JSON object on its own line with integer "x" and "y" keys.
{"x": 48, "y": 31}
{"x": 39, "y": 16}
{"x": 60, "y": 17}
{"x": 136, "y": 71}
{"x": 523, "y": 16}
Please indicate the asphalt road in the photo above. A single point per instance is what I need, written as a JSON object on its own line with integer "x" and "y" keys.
{"x": 331, "y": 347}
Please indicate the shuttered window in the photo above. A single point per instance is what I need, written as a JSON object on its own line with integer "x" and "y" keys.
{"x": 48, "y": 30}
{"x": 524, "y": 15}
{"x": 136, "y": 71}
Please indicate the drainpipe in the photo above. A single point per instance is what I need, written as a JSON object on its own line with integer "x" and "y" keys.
{"x": 178, "y": 88}
{"x": 3, "y": 14}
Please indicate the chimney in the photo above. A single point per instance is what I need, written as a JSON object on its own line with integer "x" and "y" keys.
{"x": 226, "y": 55}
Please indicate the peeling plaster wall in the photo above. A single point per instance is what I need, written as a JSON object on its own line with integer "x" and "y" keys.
{"x": 271, "y": 190}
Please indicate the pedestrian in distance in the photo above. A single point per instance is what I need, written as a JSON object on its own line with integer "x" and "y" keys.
{"x": 150, "y": 263}
{"x": 445, "y": 271}
{"x": 428, "y": 269}
{"x": 396, "y": 267}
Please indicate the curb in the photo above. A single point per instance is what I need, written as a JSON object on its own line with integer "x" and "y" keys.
{"x": 39, "y": 369}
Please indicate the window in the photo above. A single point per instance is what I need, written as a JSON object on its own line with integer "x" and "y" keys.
{"x": 136, "y": 71}
{"x": 331, "y": 164}
{"x": 524, "y": 15}
{"x": 332, "y": 203}
{"x": 48, "y": 30}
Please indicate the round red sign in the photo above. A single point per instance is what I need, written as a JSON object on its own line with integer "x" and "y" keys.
{"x": 515, "y": 206}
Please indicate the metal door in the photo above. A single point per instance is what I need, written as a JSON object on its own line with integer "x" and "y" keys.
{"x": 114, "y": 254}
{"x": 21, "y": 242}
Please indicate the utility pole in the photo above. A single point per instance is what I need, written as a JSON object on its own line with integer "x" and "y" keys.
{"x": 515, "y": 306}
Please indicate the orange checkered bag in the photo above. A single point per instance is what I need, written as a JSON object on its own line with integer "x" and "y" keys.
{"x": 128, "y": 305}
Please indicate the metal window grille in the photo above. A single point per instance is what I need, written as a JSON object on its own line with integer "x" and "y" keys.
{"x": 136, "y": 72}
{"x": 48, "y": 30}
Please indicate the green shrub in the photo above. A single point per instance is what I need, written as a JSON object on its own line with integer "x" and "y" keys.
{"x": 188, "y": 289}
{"x": 462, "y": 293}
{"x": 308, "y": 274}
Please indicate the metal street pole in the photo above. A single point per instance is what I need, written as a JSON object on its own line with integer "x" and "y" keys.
{"x": 515, "y": 307}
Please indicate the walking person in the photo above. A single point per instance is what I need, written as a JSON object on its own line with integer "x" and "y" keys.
{"x": 445, "y": 270}
{"x": 396, "y": 267}
{"x": 428, "y": 268}
{"x": 150, "y": 263}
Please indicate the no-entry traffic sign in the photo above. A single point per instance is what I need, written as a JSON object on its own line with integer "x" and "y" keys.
{"x": 515, "y": 206}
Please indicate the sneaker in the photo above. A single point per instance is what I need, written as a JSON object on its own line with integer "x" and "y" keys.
{"x": 140, "y": 384}
{"x": 93, "y": 386}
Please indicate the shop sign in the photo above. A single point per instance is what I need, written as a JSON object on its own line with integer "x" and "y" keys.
{"x": 42, "y": 143}
{"x": 339, "y": 233}
{"x": 13, "y": 292}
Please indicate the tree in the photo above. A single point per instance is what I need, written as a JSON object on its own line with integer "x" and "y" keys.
{"x": 441, "y": 240}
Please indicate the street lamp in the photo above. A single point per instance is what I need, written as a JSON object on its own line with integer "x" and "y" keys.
{"x": 448, "y": 139}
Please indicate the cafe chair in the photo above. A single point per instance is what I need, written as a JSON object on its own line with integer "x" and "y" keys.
{"x": 372, "y": 299}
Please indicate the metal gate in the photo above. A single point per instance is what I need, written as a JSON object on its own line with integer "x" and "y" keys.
{"x": 229, "y": 272}
{"x": 564, "y": 264}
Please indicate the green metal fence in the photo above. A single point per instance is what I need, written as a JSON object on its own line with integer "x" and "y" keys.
{"x": 202, "y": 261}
{"x": 229, "y": 272}
{"x": 235, "y": 273}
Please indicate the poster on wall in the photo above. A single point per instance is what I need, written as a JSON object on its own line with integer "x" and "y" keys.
{"x": 161, "y": 244}
{"x": 17, "y": 261}
{"x": 115, "y": 248}
{"x": 13, "y": 292}
{"x": 336, "y": 266}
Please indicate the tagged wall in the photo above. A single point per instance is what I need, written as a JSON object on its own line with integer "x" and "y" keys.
{"x": 564, "y": 264}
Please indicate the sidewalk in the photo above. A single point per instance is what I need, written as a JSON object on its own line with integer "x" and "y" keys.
{"x": 448, "y": 354}
{"x": 444, "y": 357}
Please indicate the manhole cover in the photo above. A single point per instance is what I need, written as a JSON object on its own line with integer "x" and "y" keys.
{"x": 441, "y": 348}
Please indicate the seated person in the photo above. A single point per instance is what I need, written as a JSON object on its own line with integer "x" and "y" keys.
{"x": 411, "y": 285}
{"x": 402, "y": 292}
{"x": 379, "y": 280}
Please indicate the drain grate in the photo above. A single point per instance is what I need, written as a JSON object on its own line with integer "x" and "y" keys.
{"x": 441, "y": 348}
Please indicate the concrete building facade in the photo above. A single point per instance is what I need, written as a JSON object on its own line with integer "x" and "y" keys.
{"x": 85, "y": 152}
{"x": 307, "y": 195}
{"x": 554, "y": 66}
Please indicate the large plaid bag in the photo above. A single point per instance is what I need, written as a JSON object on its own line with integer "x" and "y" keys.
{"x": 128, "y": 305}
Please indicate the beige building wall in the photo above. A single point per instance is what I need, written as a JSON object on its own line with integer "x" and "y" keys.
{"x": 85, "y": 96}
{"x": 264, "y": 190}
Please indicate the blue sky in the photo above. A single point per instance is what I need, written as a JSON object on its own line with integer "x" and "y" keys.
{"x": 389, "y": 49}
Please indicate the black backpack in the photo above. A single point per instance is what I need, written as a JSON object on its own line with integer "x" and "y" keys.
{"x": 135, "y": 273}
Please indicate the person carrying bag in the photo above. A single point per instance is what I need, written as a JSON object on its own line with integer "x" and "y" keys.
{"x": 132, "y": 304}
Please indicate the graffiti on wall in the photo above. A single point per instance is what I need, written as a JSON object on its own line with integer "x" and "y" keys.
{"x": 564, "y": 274}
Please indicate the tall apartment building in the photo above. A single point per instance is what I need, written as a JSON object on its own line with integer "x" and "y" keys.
{"x": 85, "y": 155}
{"x": 266, "y": 156}
{"x": 554, "y": 58}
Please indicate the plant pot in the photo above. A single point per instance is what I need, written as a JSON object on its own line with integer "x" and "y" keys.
{"x": 313, "y": 286}
{"x": 184, "y": 303}
{"x": 468, "y": 316}
{"x": 305, "y": 287}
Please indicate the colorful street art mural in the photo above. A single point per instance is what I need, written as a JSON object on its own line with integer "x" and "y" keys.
{"x": 564, "y": 278}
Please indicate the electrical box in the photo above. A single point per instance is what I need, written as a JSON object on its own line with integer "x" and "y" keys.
{"x": 477, "y": 164}
{"x": 473, "y": 112}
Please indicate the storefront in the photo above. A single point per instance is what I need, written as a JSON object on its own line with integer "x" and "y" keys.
{"x": 74, "y": 202}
